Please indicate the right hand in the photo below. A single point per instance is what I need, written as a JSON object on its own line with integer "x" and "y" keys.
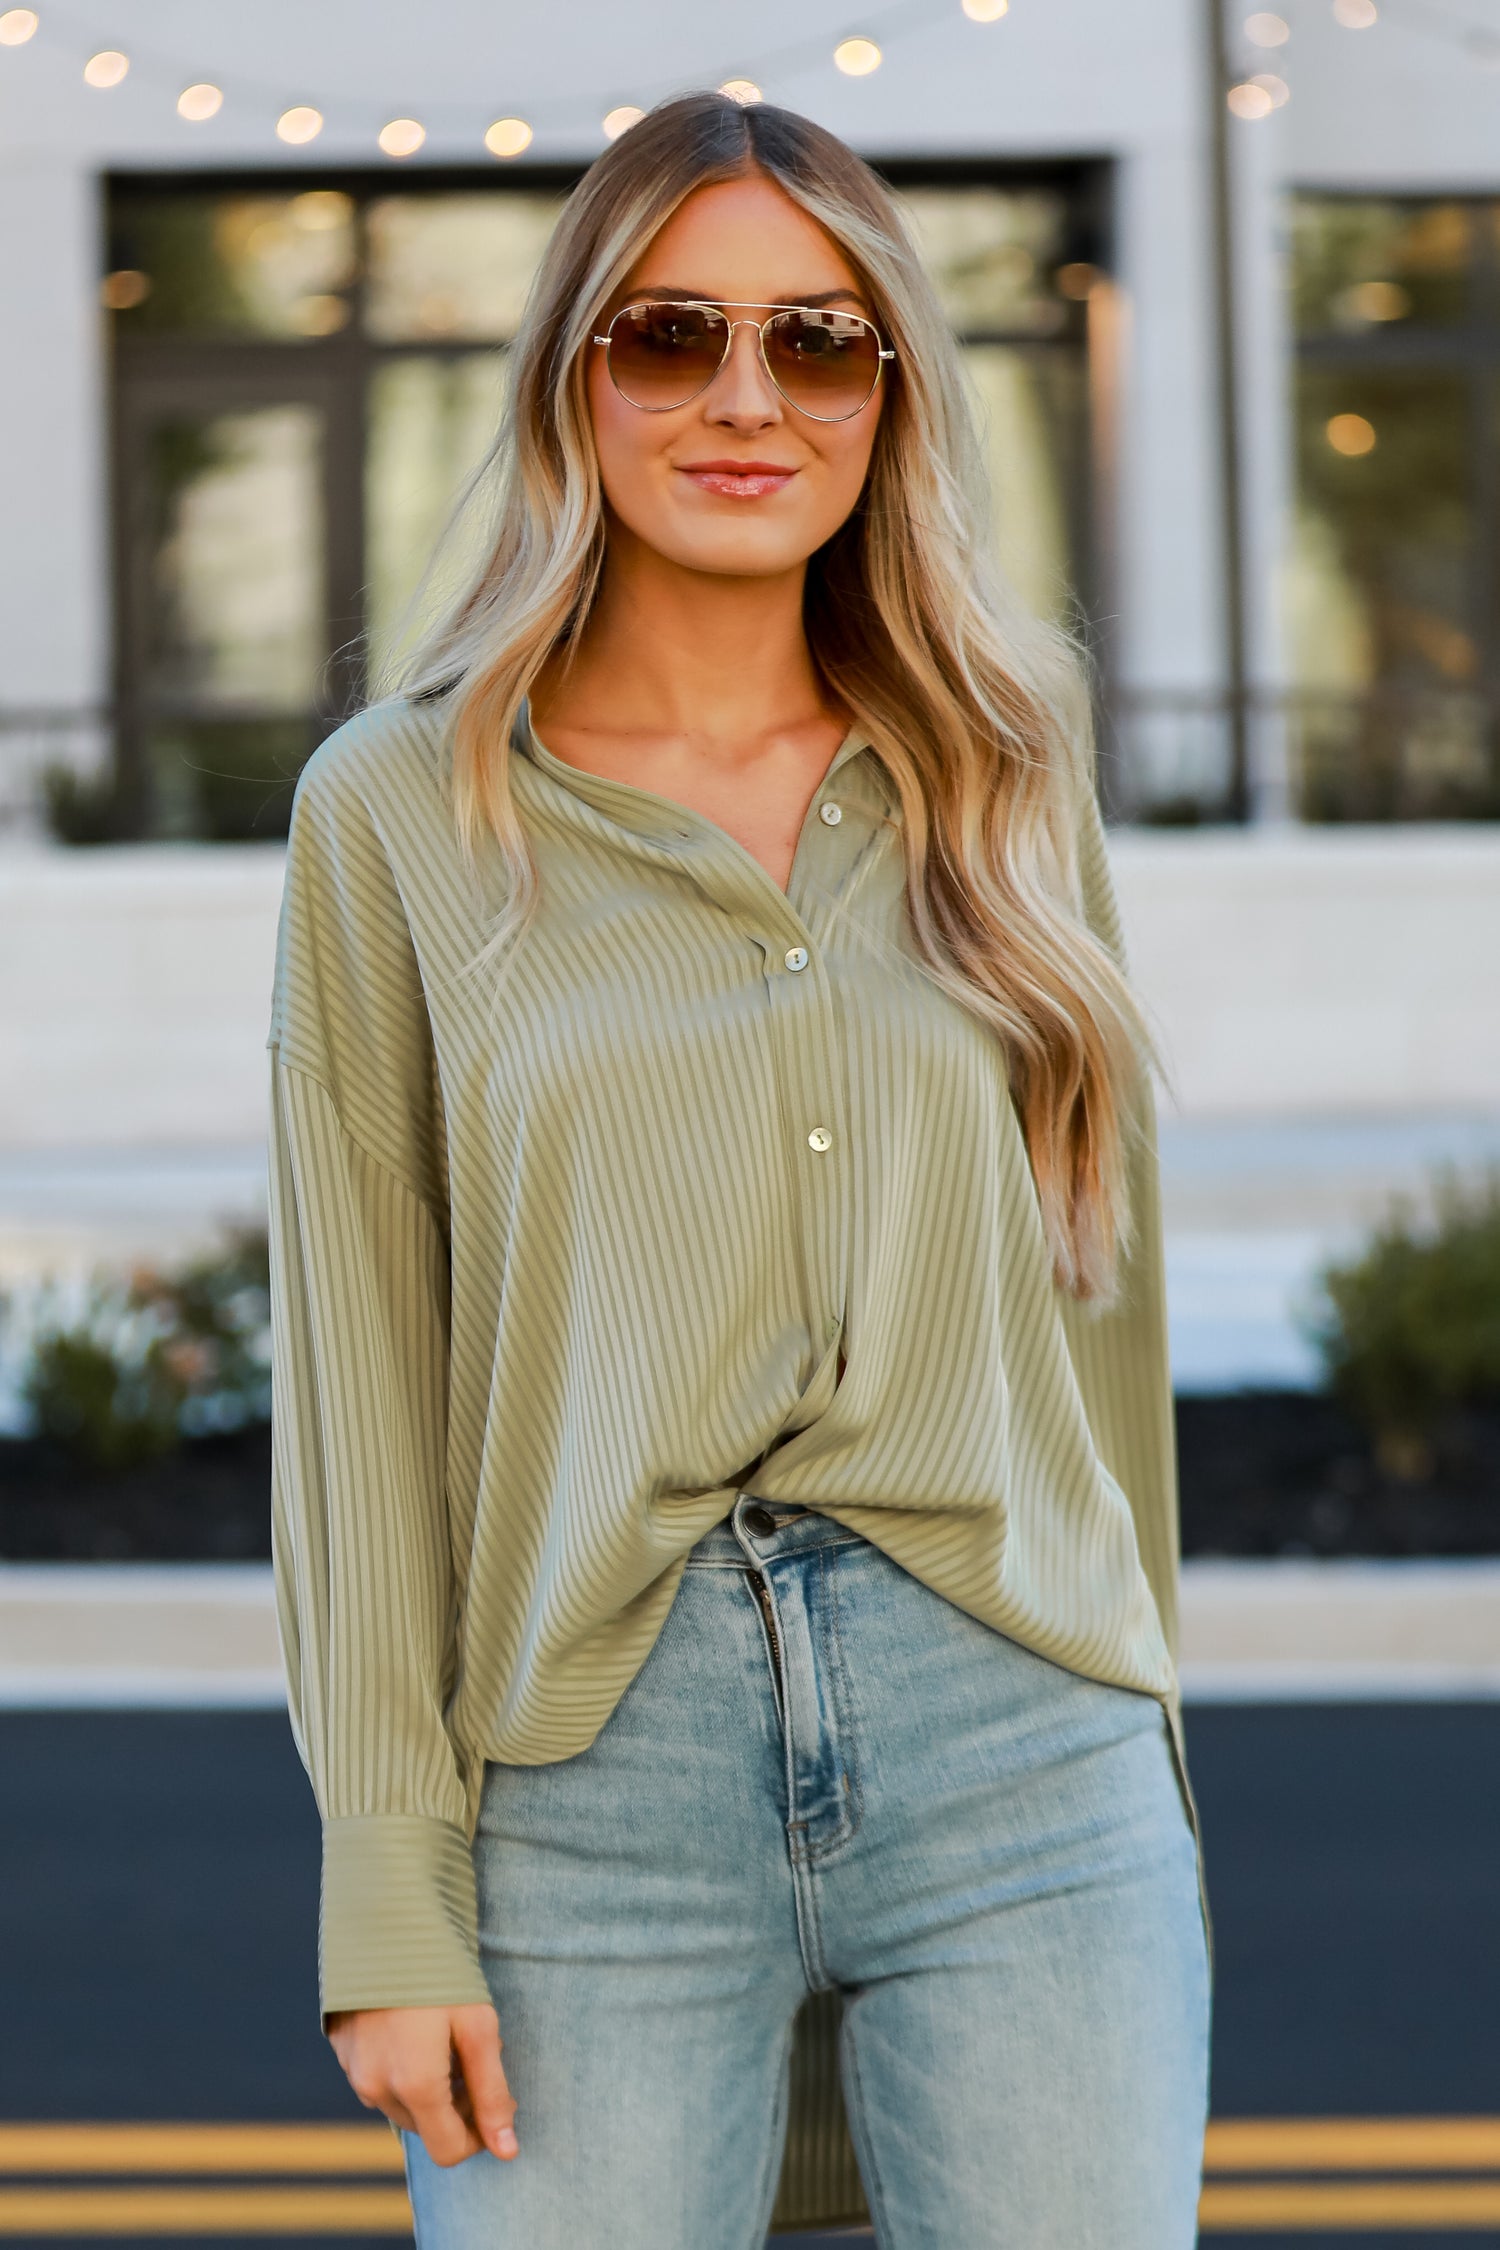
{"x": 432, "y": 2071}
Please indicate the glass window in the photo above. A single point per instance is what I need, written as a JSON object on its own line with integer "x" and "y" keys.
{"x": 994, "y": 254}
{"x": 1031, "y": 420}
{"x": 233, "y": 265}
{"x": 453, "y": 265}
{"x": 1360, "y": 264}
{"x": 1386, "y": 640}
{"x": 236, "y": 632}
{"x": 431, "y": 422}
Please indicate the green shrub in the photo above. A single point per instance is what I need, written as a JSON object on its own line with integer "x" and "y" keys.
{"x": 1410, "y": 1329}
{"x": 127, "y": 1368}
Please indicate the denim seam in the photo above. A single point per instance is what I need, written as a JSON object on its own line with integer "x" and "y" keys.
{"x": 776, "y": 2146}
{"x": 864, "y": 2141}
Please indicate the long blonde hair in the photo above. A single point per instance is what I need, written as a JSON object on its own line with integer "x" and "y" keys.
{"x": 979, "y": 711}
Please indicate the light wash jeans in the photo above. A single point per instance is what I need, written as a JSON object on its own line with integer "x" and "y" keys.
{"x": 989, "y": 1854}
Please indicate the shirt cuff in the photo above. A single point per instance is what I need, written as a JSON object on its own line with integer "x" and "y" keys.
{"x": 398, "y": 1926}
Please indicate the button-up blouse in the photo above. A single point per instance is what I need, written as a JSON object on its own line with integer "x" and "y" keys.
{"x": 707, "y": 1189}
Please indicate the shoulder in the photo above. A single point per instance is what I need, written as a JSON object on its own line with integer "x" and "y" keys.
{"x": 386, "y": 760}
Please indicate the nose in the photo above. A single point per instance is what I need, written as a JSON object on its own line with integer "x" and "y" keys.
{"x": 742, "y": 396}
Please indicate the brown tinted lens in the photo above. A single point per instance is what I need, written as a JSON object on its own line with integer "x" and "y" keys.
{"x": 824, "y": 362}
{"x": 663, "y": 355}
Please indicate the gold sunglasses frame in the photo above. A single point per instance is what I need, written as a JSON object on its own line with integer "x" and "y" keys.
{"x": 707, "y": 304}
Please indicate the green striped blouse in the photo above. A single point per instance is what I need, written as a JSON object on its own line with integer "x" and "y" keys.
{"x": 711, "y": 1190}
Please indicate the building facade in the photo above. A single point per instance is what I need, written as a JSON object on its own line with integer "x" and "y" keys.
{"x": 1238, "y": 372}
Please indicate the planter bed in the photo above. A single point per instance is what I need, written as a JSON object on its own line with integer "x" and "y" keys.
{"x": 1263, "y": 1473}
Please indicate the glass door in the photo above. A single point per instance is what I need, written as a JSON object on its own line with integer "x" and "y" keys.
{"x": 239, "y": 594}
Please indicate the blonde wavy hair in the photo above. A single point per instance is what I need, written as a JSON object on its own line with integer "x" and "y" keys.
{"x": 979, "y": 711}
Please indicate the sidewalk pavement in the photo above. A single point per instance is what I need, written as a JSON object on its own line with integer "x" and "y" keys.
{"x": 193, "y": 1635}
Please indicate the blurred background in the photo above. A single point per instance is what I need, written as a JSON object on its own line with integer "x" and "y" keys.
{"x": 1227, "y": 285}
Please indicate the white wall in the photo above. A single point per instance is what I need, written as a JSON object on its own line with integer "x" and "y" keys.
{"x": 1292, "y": 973}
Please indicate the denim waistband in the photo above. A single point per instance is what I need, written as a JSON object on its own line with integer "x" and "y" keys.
{"x": 740, "y": 1539}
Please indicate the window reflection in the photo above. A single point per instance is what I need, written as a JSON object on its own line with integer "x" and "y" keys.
{"x": 431, "y": 423}
{"x": 236, "y": 628}
{"x": 1390, "y": 606}
{"x": 453, "y": 265}
{"x": 1361, "y": 263}
{"x": 223, "y": 265}
{"x": 993, "y": 253}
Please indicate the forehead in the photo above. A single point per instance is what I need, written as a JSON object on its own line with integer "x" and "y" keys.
{"x": 743, "y": 241}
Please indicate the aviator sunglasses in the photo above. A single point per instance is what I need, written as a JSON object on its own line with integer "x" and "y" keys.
{"x": 661, "y": 354}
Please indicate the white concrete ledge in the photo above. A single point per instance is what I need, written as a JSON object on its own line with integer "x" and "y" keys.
{"x": 1292, "y": 972}
{"x": 84, "y": 1635}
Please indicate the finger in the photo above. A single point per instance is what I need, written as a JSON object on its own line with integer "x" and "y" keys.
{"x": 491, "y": 2105}
{"x": 447, "y": 2137}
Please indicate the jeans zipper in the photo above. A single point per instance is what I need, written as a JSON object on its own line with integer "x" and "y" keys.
{"x": 763, "y": 1596}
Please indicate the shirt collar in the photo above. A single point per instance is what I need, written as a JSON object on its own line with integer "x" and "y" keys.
{"x": 647, "y": 814}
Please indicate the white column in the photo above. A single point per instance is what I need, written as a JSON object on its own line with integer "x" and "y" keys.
{"x": 54, "y": 578}
{"x": 1170, "y": 633}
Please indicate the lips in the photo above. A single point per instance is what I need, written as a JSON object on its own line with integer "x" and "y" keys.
{"x": 738, "y": 480}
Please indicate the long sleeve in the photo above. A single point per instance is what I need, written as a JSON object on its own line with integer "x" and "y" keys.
{"x": 1121, "y": 1356}
{"x": 360, "y": 1303}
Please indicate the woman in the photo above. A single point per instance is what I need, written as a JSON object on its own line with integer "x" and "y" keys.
{"x": 724, "y": 1507}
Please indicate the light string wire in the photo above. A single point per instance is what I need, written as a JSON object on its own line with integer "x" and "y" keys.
{"x": 561, "y": 114}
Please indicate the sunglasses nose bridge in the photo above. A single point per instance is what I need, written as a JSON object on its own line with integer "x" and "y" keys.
{"x": 759, "y": 350}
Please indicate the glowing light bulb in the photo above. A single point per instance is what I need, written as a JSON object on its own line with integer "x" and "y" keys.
{"x": 124, "y": 289}
{"x": 403, "y": 136}
{"x": 856, "y": 58}
{"x": 618, "y": 121}
{"x": 198, "y": 103}
{"x": 17, "y": 25}
{"x": 1266, "y": 30}
{"x": 508, "y": 136}
{"x": 1355, "y": 15}
{"x": 1249, "y": 100}
{"x": 986, "y": 11}
{"x": 1350, "y": 434}
{"x": 1276, "y": 90}
{"x": 106, "y": 69}
{"x": 742, "y": 90}
{"x": 299, "y": 125}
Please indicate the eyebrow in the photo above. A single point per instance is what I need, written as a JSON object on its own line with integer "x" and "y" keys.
{"x": 705, "y": 297}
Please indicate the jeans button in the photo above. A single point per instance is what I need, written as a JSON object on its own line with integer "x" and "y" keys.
{"x": 759, "y": 1522}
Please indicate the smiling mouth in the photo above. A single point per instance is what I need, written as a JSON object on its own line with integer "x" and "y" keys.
{"x": 738, "y": 480}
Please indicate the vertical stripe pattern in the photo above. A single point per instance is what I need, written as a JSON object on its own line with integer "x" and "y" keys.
{"x": 565, "y": 1257}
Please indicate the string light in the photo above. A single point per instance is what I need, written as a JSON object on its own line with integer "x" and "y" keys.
{"x": 986, "y": 11}
{"x": 1351, "y": 435}
{"x": 106, "y": 69}
{"x": 508, "y": 136}
{"x": 17, "y": 25}
{"x": 1249, "y": 101}
{"x": 1266, "y": 30}
{"x": 618, "y": 121}
{"x": 742, "y": 90}
{"x": 856, "y": 58}
{"x": 403, "y": 136}
{"x": 1276, "y": 90}
{"x": 124, "y": 289}
{"x": 299, "y": 125}
{"x": 1355, "y": 15}
{"x": 198, "y": 103}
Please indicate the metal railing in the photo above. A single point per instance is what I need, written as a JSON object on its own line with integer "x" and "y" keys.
{"x": 1168, "y": 756}
{"x": 1392, "y": 753}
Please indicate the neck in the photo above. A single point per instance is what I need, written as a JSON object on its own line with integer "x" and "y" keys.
{"x": 685, "y": 652}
